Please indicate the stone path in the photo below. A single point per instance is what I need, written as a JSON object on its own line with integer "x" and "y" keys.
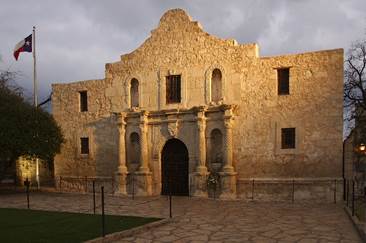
{"x": 204, "y": 220}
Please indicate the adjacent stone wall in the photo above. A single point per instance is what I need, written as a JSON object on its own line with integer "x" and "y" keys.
{"x": 26, "y": 168}
{"x": 180, "y": 46}
{"x": 98, "y": 123}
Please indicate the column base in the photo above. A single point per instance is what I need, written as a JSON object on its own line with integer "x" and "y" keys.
{"x": 228, "y": 185}
{"x": 121, "y": 182}
{"x": 200, "y": 185}
{"x": 142, "y": 183}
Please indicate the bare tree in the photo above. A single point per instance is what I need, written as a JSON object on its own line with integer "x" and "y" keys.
{"x": 355, "y": 81}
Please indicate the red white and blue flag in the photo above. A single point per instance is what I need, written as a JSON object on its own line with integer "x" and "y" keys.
{"x": 23, "y": 46}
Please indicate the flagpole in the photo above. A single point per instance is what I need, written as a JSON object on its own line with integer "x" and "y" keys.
{"x": 35, "y": 88}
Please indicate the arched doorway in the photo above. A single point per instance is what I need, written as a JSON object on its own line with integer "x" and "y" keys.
{"x": 174, "y": 168}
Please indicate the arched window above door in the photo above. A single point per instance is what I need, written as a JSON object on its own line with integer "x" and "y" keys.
{"x": 216, "y": 85}
{"x": 134, "y": 93}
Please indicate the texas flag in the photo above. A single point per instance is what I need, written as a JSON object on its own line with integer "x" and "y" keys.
{"x": 23, "y": 46}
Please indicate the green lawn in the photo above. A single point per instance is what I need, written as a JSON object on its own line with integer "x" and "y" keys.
{"x": 22, "y": 225}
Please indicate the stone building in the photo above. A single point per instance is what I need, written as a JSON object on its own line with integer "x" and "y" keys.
{"x": 187, "y": 110}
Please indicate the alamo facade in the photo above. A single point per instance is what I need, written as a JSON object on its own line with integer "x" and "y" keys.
{"x": 187, "y": 108}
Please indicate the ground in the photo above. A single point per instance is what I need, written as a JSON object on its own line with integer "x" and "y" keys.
{"x": 202, "y": 220}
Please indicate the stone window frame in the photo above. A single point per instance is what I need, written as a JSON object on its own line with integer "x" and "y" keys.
{"x": 208, "y": 78}
{"x": 85, "y": 134}
{"x": 87, "y": 100}
{"x": 298, "y": 137}
{"x": 175, "y": 97}
{"x": 127, "y": 89}
{"x": 285, "y": 132}
{"x": 138, "y": 93}
{"x": 289, "y": 92}
{"x": 82, "y": 147}
{"x": 162, "y": 92}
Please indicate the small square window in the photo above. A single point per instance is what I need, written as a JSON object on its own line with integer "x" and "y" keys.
{"x": 83, "y": 101}
{"x": 84, "y": 145}
{"x": 173, "y": 89}
{"x": 288, "y": 138}
{"x": 283, "y": 77}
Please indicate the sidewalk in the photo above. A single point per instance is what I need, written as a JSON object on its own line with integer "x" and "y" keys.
{"x": 202, "y": 220}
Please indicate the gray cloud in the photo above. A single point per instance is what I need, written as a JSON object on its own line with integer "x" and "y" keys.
{"x": 76, "y": 38}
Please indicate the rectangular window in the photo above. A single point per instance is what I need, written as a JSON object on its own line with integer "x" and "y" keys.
{"x": 83, "y": 101}
{"x": 283, "y": 77}
{"x": 84, "y": 145}
{"x": 288, "y": 138}
{"x": 173, "y": 89}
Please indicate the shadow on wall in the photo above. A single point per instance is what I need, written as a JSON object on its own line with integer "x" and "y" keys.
{"x": 104, "y": 145}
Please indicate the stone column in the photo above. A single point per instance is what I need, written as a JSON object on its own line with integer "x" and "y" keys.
{"x": 228, "y": 146}
{"x": 228, "y": 175}
{"x": 144, "y": 167}
{"x": 121, "y": 174}
{"x": 200, "y": 188}
{"x": 143, "y": 175}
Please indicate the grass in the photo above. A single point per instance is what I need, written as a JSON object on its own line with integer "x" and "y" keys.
{"x": 22, "y": 225}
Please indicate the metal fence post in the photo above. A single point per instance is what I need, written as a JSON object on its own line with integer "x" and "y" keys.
{"x": 253, "y": 189}
{"x": 27, "y": 190}
{"x": 353, "y": 197}
{"x": 133, "y": 186}
{"x": 170, "y": 197}
{"x": 103, "y": 221}
{"x": 293, "y": 190}
{"x": 335, "y": 190}
{"x": 347, "y": 191}
{"x": 94, "y": 196}
{"x": 344, "y": 189}
{"x": 60, "y": 183}
{"x": 86, "y": 184}
{"x": 112, "y": 183}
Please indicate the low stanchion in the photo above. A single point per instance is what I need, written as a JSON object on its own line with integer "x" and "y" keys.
{"x": 94, "y": 196}
{"x": 103, "y": 219}
{"x": 170, "y": 197}
{"x": 170, "y": 205}
{"x": 335, "y": 191}
{"x": 293, "y": 190}
{"x": 353, "y": 198}
{"x": 253, "y": 189}
{"x": 60, "y": 183}
{"x": 86, "y": 184}
{"x": 347, "y": 191}
{"x": 133, "y": 186}
{"x": 112, "y": 183}
{"x": 27, "y": 183}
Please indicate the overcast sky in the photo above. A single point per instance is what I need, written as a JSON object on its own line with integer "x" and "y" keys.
{"x": 76, "y": 38}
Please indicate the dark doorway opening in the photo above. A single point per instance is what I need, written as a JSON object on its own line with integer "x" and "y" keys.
{"x": 174, "y": 167}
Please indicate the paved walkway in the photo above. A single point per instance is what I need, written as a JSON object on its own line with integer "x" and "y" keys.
{"x": 203, "y": 220}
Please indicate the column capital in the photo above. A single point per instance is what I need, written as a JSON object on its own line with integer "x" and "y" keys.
{"x": 121, "y": 119}
{"x": 228, "y": 123}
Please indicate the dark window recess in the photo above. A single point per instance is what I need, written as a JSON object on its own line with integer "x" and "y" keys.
{"x": 83, "y": 101}
{"x": 173, "y": 89}
{"x": 288, "y": 138}
{"x": 84, "y": 142}
{"x": 283, "y": 77}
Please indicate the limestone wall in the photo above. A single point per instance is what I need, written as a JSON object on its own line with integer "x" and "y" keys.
{"x": 97, "y": 123}
{"x": 179, "y": 46}
{"x": 314, "y": 108}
